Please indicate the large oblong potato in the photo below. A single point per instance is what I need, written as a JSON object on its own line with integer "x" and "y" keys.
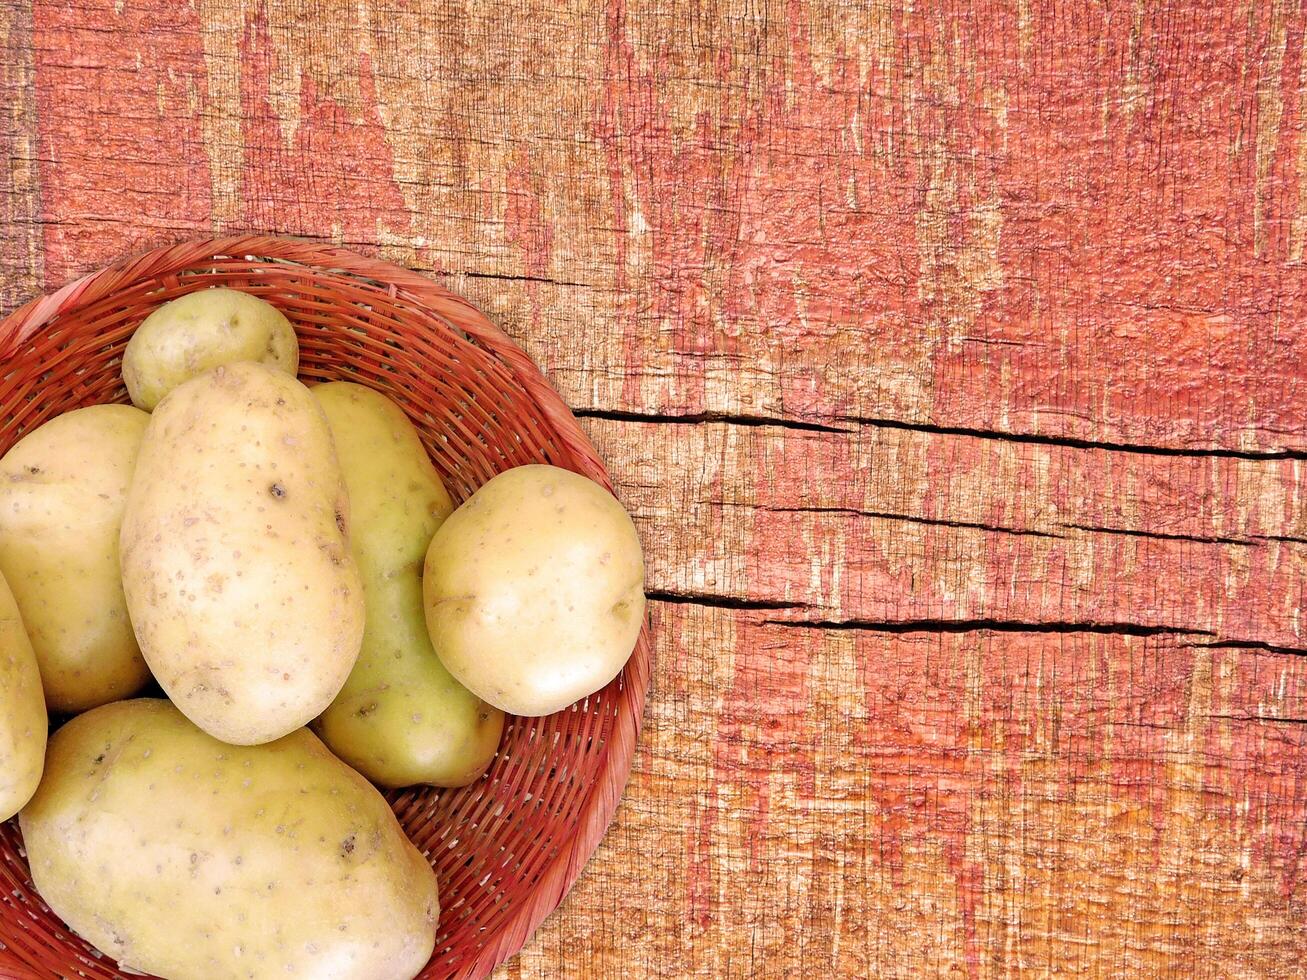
{"x": 191, "y": 859}
{"x": 199, "y": 331}
{"x": 401, "y": 719}
{"x": 534, "y": 590}
{"x": 23, "y": 722}
{"x": 235, "y": 555}
{"x": 62, "y": 491}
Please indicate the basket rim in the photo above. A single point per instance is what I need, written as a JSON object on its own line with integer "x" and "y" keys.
{"x": 600, "y": 806}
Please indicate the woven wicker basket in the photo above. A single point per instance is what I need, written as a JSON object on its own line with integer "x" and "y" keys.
{"x": 507, "y": 848}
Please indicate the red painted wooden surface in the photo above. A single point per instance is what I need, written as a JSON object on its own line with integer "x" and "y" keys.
{"x": 950, "y": 357}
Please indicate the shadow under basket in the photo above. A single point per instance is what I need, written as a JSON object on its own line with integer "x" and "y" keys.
{"x": 509, "y": 847}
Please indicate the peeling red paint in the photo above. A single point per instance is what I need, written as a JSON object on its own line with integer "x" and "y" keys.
{"x": 111, "y": 104}
{"x": 349, "y": 193}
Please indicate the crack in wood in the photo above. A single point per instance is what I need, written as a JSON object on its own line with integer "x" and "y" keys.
{"x": 1252, "y": 645}
{"x": 511, "y": 277}
{"x": 1287, "y": 538}
{"x": 1269, "y": 719}
{"x": 986, "y": 625}
{"x": 911, "y": 519}
{"x": 1072, "y": 442}
{"x": 1029, "y": 438}
{"x": 701, "y": 418}
{"x": 685, "y": 597}
{"x": 1163, "y": 535}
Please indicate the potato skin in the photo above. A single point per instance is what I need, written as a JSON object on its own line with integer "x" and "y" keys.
{"x": 184, "y": 857}
{"x": 199, "y": 331}
{"x": 23, "y": 722}
{"x": 235, "y": 555}
{"x": 401, "y": 719}
{"x": 62, "y": 492}
{"x": 534, "y": 590}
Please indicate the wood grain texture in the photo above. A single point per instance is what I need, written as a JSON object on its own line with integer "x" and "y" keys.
{"x": 21, "y": 255}
{"x": 951, "y": 360}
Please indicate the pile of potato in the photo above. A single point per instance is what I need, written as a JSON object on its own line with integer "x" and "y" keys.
{"x": 275, "y": 556}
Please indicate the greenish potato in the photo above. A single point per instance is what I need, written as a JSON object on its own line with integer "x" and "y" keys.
{"x": 235, "y": 555}
{"x": 63, "y": 487}
{"x": 534, "y": 590}
{"x": 199, "y": 331}
{"x": 401, "y": 719}
{"x": 184, "y": 857}
{"x": 23, "y": 722}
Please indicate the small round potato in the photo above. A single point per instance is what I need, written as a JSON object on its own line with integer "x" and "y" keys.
{"x": 23, "y": 723}
{"x": 534, "y": 590}
{"x": 62, "y": 492}
{"x": 400, "y": 719}
{"x": 202, "y": 330}
{"x": 183, "y": 857}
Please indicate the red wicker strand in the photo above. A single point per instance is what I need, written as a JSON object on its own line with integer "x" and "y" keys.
{"x": 509, "y": 847}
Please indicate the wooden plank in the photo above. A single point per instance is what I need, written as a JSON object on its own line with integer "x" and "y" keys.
{"x": 858, "y": 803}
{"x": 883, "y": 525}
{"x": 884, "y": 229}
{"x": 940, "y": 216}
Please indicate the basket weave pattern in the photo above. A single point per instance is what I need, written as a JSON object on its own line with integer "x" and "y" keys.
{"x": 507, "y": 848}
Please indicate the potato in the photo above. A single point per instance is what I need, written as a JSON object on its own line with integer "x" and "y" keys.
{"x": 62, "y": 491}
{"x": 235, "y": 555}
{"x": 534, "y": 590}
{"x": 23, "y": 723}
{"x": 184, "y": 857}
{"x": 199, "y": 331}
{"x": 401, "y": 718}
